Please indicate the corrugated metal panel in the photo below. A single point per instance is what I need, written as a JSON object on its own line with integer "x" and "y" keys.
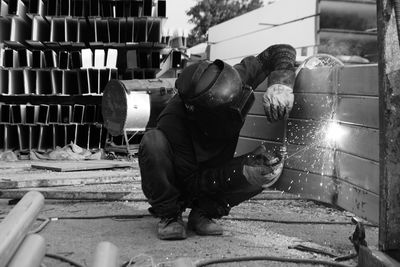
{"x": 344, "y": 173}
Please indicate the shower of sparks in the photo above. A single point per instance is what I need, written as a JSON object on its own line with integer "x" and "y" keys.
{"x": 334, "y": 132}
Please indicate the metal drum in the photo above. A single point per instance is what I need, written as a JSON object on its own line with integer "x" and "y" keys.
{"x": 134, "y": 105}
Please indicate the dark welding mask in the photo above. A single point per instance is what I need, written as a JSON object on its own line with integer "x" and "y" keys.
{"x": 215, "y": 97}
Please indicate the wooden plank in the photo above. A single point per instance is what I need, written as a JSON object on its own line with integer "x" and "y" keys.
{"x": 25, "y": 177}
{"x": 122, "y": 192}
{"x": 113, "y": 192}
{"x": 71, "y": 195}
{"x": 80, "y": 165}
{"x": 80, "y": 178}
{"x": 389, "y": 95}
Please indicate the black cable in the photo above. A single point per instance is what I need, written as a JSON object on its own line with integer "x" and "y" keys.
{"x": 117, "y": 216}
{"x": 270, "y": 258}
{"x": 64, "y": 259}
{"x": 290, "y": 221}
{"x": 122, "y": 217}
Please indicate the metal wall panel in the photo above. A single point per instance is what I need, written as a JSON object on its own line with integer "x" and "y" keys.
{"x": 344, "y": 172}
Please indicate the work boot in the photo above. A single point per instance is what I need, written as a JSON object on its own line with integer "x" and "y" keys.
{"x": 202, "y": 224}
{"x": 172, "y": 228}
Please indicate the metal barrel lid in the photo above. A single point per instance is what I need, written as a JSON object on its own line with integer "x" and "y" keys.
{"x": 114, "y": 107}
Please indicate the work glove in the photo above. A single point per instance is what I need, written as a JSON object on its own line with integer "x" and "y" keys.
{"x": 278, "y": 98}
{"x": 262, "y": 168}
{"x": 280, "y": 61}
{"x": 278, "y": 57}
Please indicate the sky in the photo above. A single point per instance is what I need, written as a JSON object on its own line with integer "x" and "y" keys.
{"x": 176, "y": 14}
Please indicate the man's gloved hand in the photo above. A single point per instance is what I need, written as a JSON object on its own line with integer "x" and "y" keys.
{"x": 280, "y": 61}
{"x": 262, "y": 168}
{"x": 278, "y": 98}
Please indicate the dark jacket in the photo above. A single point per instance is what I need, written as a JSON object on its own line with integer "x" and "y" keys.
{"x": 184, "y": 135}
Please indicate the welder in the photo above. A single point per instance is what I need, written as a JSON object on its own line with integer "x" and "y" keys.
{"x": 188, "y": 160}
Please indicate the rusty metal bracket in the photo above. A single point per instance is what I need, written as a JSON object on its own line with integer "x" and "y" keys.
{"x": 358, "y": 237}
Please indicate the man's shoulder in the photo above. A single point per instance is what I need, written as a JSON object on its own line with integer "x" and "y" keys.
{"x": 175, "y": 107}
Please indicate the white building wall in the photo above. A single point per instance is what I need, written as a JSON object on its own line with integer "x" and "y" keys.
{"x": 286, "y": 21}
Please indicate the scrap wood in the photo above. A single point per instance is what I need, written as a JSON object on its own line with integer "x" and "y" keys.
{"x": 130, "y": 191}
{"x": 81, "y": 165}
{"x": 102, "y": 192}
{"x": 75, "y": 195}
{"x": 53, "y": 181}
{"x": 24, "y": 178}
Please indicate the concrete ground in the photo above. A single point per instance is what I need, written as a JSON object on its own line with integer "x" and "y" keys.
{"x": 263, "y": 226}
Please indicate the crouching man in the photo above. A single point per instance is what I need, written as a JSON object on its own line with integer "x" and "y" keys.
{"x": 188, "y": 160}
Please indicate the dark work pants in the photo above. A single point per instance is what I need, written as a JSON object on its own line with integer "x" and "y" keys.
{"x": 214, "y": 191}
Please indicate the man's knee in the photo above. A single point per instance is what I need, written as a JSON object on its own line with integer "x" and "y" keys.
{"x": 154, "y": 144}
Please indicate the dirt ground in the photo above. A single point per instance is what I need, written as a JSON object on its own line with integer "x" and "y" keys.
{"x": 245, "y": 234}
{"x": 77, "y": 239}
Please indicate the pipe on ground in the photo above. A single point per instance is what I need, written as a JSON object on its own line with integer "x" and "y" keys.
{"x": 30, "y": 253}
{"x": 16, "y": 224}
{"x": 106, "y": 255}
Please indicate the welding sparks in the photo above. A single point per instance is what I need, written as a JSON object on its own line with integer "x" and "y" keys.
{"x": 334, "y": 132}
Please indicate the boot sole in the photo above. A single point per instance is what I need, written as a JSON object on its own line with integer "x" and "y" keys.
{"x": 198, "y": 232}
{"x": 172, "y": 237}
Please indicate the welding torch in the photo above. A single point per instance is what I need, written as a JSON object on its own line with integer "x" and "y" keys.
{"x": 283, "y": 149}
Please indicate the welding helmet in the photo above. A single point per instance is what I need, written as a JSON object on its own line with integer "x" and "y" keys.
{"x": 215, "y": 97}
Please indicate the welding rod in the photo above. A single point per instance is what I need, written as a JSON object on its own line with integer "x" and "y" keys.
{"x": 283, "y": 149}
{"x": 15, "y": 226}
